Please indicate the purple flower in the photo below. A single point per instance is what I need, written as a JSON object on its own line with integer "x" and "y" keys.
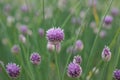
{"x": 13, "y": 70}
{"x": 24, "y": 8}
{"x": 74, "y": 70}
{"x": 106, "y": 54}
{"x": 55, "y": 35}
{"x": 116, "y": 74}
{"x": 115, "y": 11}
{"x": 35, "y": 58}
{"x": 77, "y": 59}
{"x": 41, "y": 32}
{"x": 24, "y": 29}
{"x": 108, "y": 20}
{"x": 15, "y": 49}
{"x": 79, "y": 45}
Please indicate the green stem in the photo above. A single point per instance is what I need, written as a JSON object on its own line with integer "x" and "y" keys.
{"x": 25, "y": 57}
{"x": 57, "y": 66}
{"x": 74, "y": 41}
{"x": 66, "y": 66}
{"x": 104, "y": 71}
{"x": 90, "y": 58}
{"x": 43, "y": 8}
{"x": 4, "y": 71}
{"x": 49, "y": 59}
{"x": 69, "y": 16}
{"x": 97, "y": 66}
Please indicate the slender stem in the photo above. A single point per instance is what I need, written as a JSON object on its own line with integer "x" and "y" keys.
{"x": 4, "y": 71}
{"x": 97, "y": 66}
{"x": 69, "y": 16}
{"x": 90, "y": 58}
{"x": 66, "y": 66}
{"x": 74, "y": 41}
{"x": 49, "y": 59}
{"x": 104, "y": 71}
{"x": 56, "y": 62}
{"x": 43, "y": 8}
{"x": 25, "y": 57}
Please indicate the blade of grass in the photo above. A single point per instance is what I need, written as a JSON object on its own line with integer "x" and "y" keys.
{"x": 90, "y": 58}
{"x": 74, "y": 41}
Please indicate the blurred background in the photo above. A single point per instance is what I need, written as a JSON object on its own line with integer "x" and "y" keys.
{"x": 24, "y": 23}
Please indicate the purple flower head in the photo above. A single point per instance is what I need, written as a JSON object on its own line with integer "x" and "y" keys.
{"x": 115, "y": 11}
{"x": 35, "y": 58}
{"x": 77, "y": 59}
{"x": 13, "y": 70}
{"x": 15, "y": 49}
{"x": 24, "y": 29}
{"x": 74, "y": 70}
{"x": 24, "y": 8}
{"x": 108, "y": 20}
{"x": 79, "y": 45}
{"x": 41, "y": 32}
{"x": 106, "y": 54}
{"x": 55, "y": 35}
{"x": 116, "y": 74}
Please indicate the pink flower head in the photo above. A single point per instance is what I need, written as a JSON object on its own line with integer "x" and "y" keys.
{"x": 55, "y": 35}
{"x": 13, "y": 70}
{"x": 35, "y": 58}
{"x": 74, "y": 70}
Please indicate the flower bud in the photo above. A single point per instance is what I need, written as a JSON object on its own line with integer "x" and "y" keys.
{"x": 35, "y": 58}
{"x": 77, "y": 59}
{"x": 15, "y": 49}
{"x": 79, "y": 45}
{"x": 41, "y": 32}
{"x": 50, "y": 47}
{"x": 106, "y": 54}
